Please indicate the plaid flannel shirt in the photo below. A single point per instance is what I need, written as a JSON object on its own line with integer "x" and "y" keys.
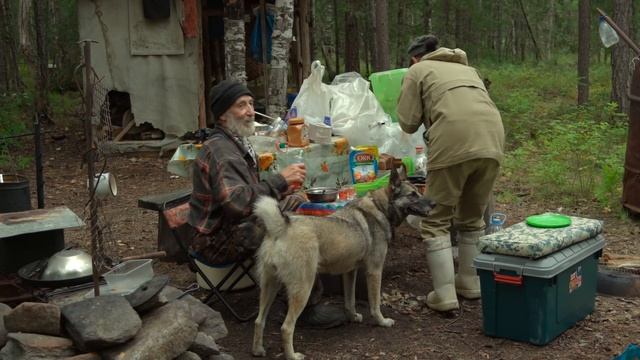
{"x": 225, "y": 187}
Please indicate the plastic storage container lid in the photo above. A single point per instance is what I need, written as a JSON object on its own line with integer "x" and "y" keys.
{"x": 546, "y": 267}
{"x": 549, "y": 221}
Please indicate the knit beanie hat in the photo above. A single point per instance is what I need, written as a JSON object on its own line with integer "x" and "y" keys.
{"x": 423, "y": 45}
{"x": 224, "y": 94}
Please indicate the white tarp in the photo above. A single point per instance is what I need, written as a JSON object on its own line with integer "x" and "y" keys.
{"x": 165, "y": 89}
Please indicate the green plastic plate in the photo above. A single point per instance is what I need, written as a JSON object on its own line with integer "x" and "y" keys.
{"x": 548, "y": 221}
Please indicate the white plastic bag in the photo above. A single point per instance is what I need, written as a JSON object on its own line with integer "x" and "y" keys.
{"x": 355, "y": 112}
{"x": 314, "y": 97}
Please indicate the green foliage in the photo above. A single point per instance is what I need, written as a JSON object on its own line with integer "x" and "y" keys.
{"x": 13, "y": 121}
{"x": 558, "y": 151}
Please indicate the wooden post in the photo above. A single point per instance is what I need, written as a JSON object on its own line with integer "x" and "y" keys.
{"x": 265, "y": 62}
{"x": 89, "y": 158}
{"x": 305, "y": 37}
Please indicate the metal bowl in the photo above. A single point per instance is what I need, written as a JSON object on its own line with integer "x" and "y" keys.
{"x": 322, "y": 194}
{"x": 67, "y": 264}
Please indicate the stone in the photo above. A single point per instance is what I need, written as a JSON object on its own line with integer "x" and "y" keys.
{"x": 166, "y": 333}
{"x": 37, "y": 318}
{"x": 4, "y": 309}
{"x": 101, "y": 322}
{"x": 204, "y": 345}
{"x": 87, "y": 356}
{"x": 221, "y": 356}
{"x": 26, "y": 346}
{"x": 214, "y": 326}
{"x": 189, "y": 356}
{"x": 210, "y": 321}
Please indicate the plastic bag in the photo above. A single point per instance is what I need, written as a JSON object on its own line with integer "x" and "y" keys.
{"x": 355, "y": 112}
{"x": 314, "y": 97}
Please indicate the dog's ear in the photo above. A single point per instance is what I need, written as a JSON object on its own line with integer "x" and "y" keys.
{"x": 395, "y": 180}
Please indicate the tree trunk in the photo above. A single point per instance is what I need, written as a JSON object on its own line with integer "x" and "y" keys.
{"x": 457, "y": 26}
{"x": 533, "y": 38}
{"x": 621, "y": 56}
{"x": 281, "y": 40}
{"x": 351, "y": 41}
{"x": 382, "y": 35}
{"x": 428, "y": 11}
{"x": 373, "y": 47}
{"x": 498, "y": 40}
{"x": 584, "y": 17}
{"x": 401, "y": 29}
{"x": 551, "y": 29}
{"x": 40, "y": 16}
{"x": 234, "y": 41}
{"x": 336, "y": 32}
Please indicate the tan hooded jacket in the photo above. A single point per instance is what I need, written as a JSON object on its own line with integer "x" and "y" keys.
{"x": 449, "y": 97}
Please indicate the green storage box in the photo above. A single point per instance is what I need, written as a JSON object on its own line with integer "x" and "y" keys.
{"x": 536, "y": 300}
{"x": 386, "y": 87}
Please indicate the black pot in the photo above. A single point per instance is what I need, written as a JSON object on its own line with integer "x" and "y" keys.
{"x": 15, "y": 194}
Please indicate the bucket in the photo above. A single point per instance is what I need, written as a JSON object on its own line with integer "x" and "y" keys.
{"x": 15, "y": 194}
{"x": 217, "y": 273}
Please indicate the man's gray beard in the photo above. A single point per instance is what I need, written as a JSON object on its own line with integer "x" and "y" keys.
{"x": 241, "y": 127}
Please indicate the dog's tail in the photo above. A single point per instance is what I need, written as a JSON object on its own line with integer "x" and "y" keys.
{"x": 266, "y": 208}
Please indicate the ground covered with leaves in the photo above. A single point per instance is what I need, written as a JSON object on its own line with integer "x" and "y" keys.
{"x": 419, "y": 333}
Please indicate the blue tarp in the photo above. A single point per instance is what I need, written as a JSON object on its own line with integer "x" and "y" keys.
{"x": 256, "y": 36}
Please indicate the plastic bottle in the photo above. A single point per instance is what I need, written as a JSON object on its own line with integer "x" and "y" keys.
{"x": 496, "y": 223}
{"x": 608, "y": 36}
{"x": 420, "y": 163}
{"x": 291, "y": 156}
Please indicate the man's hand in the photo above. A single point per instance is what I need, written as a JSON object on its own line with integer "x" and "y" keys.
{"x": 294, "y": 174}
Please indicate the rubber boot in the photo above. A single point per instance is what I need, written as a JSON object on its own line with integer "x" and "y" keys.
{"x": 440, "y": 261}
{"x": 467, "y": 280}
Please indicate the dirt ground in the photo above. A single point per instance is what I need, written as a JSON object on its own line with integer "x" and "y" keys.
{"x": 419, "y": 333}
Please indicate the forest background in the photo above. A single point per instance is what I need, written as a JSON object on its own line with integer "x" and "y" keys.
{"x": 561, "y": 93}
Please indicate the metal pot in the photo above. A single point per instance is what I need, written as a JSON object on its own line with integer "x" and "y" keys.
{"x": 64, "y": 268}
{"x": 322, "y": 194}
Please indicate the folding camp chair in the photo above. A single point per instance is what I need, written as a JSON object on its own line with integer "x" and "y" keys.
{"x": 177, "y": 216}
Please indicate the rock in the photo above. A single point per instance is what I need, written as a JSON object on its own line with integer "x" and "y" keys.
{"x": 199, "y": 311}
{"x": 204, "y": 346}
{"x": 87, "y": 356}
{"x": 189, "y": 356}
{"x": 166, "y": 333}
{"x": 37, "y": 318}
{"x": 4, "y": 309}
{"x": 221, "y": 356}
{"x": 214, "y": 326}
{"x": 26, "y": 346}
{"x": 101, "y": 322}
{"x": 170, "y": 293}
{"x": 210, "y": 321}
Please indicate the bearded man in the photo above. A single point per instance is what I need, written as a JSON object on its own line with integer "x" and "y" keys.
{"x": 226, "y": 185}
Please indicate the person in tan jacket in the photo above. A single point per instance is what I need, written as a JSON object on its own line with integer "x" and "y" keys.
{"x": 465, "y": 143}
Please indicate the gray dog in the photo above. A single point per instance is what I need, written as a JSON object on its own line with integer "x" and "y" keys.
{"x": 295, "y": 248}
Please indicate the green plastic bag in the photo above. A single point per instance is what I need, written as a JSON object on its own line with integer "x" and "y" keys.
{"x": 386, "y": 87}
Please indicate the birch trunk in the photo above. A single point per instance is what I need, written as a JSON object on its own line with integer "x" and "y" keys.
{"x": 234, "y": 41}
{"x": 281, "y": 39}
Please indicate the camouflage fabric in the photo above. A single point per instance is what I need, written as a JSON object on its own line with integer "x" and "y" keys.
{"x": 531, "y": 242}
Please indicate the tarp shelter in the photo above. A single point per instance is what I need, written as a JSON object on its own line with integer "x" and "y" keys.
{"x": 157, "y": 61}
{"x": 161, "y": 53}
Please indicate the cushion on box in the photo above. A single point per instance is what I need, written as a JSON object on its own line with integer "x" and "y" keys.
{"x": 531, "y": 242}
